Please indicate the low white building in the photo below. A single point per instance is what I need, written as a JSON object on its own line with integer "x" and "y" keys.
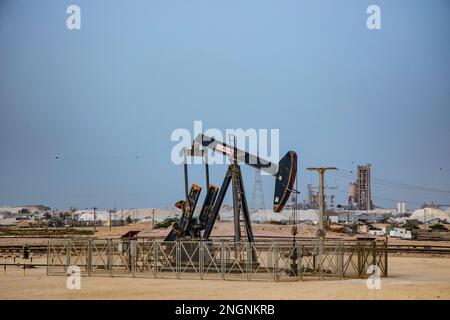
{"x": 376, "y": 232}
{"x": 403, "y": 233}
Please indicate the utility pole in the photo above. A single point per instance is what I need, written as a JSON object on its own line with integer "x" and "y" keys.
{"x": 95, "y": 216}
{"x": 321, "y": 226}
{"x": 294, "y": 229}
{"x": 425, "y": 219}
{"x": 110, "y": 211}
{"x": 115, "y": 213}
{"x": 153, "y": 218}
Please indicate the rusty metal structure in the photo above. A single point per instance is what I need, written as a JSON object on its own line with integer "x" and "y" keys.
{"x": 280, "y": 260}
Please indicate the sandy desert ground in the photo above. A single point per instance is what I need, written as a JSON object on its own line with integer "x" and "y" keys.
{"x": 410, "y": 278}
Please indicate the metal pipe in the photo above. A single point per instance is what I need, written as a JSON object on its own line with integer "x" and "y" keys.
{"x": 186, "y": 182}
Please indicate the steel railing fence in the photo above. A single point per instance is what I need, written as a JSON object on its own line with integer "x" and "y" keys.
{"x": 228, "y": 260}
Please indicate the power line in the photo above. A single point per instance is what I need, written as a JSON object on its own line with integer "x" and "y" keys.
{"x": 350, "y": 175}
{"x": 70, "y": 157}
{"x": 385, "y": 199}
{"x": 392, "y": 183}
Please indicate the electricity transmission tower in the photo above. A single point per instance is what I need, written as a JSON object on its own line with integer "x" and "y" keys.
{"x": 258, "y": 195}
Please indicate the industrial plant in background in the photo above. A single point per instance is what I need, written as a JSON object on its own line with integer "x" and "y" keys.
{"x": 359, "y": 193}
{"x": 313, "y": 197}
{"x": 360, "y": 196}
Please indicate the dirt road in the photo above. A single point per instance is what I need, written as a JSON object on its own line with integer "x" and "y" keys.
{"x": 410, "y": 278}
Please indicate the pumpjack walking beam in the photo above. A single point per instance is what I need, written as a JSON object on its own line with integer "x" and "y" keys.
{"x": 284, "y": 172}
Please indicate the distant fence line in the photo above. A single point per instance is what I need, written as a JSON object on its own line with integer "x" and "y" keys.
{"x": 261, "y": 260}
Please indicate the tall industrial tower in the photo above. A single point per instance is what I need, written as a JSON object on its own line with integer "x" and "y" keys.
{"x": 363, "y": 190}
{"x": 258, "y": 195}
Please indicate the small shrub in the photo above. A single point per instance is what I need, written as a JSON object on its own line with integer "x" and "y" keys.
{"x": 165, "y": 224}
{"x": 281, "y": 222}
{"x": 411, "y": 225}
{"x": 438, "y": 226}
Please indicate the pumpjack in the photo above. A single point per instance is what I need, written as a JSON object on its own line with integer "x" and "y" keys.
{"x": 189, "y": 228}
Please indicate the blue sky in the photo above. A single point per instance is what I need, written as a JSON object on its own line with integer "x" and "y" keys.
{"x": 105, "y": 99}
